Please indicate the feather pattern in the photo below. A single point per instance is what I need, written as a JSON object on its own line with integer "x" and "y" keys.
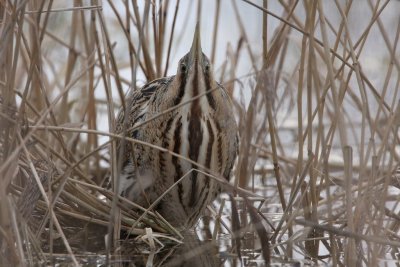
{"x": 203, "y": 130}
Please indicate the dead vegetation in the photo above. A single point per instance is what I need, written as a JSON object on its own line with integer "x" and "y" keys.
{"x": 317, "y": 178}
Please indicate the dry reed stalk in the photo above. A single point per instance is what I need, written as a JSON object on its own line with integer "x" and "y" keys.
{"x": 342, "y": 202}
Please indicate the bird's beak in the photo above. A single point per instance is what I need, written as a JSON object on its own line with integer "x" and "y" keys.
{"x": 195, "y": 51}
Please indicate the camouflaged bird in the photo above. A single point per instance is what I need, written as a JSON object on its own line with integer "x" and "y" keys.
{"x": 204, "y": 130}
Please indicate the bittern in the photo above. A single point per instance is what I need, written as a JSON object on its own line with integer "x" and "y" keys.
{"x": 201, "y": 129}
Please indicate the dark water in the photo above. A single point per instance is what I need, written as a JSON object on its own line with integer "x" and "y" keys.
{"x": 195, "y": 251}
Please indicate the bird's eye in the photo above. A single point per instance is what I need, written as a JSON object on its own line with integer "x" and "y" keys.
{"x": 207, "y": 67}
{"x": 183, "y": 68}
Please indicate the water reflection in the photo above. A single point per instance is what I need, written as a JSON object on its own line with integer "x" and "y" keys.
{"x": 192, "y": 252}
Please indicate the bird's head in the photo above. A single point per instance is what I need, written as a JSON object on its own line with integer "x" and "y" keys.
{"x": 195, "y": 66}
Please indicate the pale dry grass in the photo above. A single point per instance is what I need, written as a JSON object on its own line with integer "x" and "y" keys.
{"x": 323, "y": 189}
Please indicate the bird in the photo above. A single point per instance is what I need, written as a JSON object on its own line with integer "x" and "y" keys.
{"x": 189, "y": 114}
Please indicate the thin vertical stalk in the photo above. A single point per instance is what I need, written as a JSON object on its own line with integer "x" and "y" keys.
{"x": 337, "y": 106}
{"x": 171, "y": 36}
{"x": 215, "y": 31}
{"x": 351, "y": 257}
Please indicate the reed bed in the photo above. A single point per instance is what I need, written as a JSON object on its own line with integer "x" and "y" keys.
{"x": 316, "y": 97}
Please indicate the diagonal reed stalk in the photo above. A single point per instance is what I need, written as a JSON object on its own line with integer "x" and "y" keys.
{"x": 316, "y": 99}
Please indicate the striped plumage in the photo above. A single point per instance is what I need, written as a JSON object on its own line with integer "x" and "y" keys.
{"x": 204, "y": 130}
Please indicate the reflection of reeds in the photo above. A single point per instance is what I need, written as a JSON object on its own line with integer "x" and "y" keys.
{"x": 53, "y": 169}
